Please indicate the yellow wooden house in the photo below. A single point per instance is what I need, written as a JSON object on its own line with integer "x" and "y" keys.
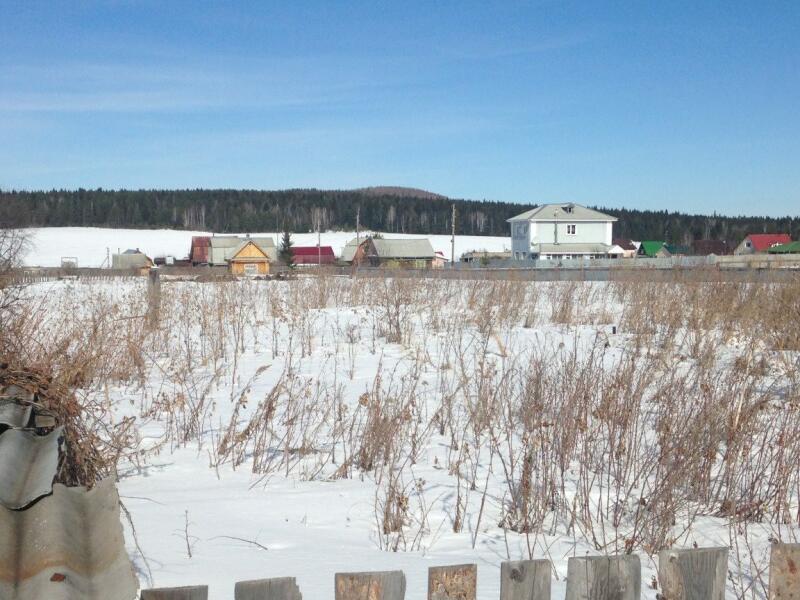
{"x": 249, "y": 259}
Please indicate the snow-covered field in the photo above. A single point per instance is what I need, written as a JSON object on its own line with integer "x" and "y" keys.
{"x": 91, "y": 245}
{"x": 331, "y": 424}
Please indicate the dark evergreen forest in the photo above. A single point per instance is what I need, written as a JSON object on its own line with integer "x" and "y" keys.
{"x": 304, "y": 210}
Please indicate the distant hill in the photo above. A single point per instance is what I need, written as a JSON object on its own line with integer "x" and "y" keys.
{"x": 399, "y": 192}
{"x": 388, "y": 209}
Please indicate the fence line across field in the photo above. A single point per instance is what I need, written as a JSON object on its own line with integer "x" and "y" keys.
{"x": 690, "y": 574}
{"x": 557, "y": 272}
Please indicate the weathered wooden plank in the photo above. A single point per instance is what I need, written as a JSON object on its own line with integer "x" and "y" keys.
{"x": 604, "y": 578}
{"x": 278, "y": 588}
{"x": 784, "y": 572}
{"x": 693, "y": 574}
{"x": 196, "y": 592}
{"x": 376, "y": 585}
{"x": 452, "y": 582}
{"x": 525, "y": 580}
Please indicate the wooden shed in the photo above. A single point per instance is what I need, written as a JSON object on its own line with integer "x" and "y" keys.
{"x": 249, "y": 259}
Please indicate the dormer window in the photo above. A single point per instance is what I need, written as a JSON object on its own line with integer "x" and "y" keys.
{"x": 568, "y": 208}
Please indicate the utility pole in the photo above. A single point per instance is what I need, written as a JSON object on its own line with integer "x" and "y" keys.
{"x": 453, "y": 239}
{"x": 358, "y": 225}
{"x": 319, "y": 246}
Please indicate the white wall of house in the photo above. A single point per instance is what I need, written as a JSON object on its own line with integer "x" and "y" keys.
{"x": 572, "y": 232}
{"x": 525, "y": 233}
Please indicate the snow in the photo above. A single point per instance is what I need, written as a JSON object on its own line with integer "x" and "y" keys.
{"x": 198, "y": 522}
{"x": 90, "y": 245}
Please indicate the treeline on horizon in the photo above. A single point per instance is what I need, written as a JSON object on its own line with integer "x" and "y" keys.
{"x": 304, "y": 210}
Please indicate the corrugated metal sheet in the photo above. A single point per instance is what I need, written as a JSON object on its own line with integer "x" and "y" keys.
{"x": 28, "y": 464}
{"x": 403, "y": 248}
{"x": 13, "y": 414}
{"x": 68, "y": 546}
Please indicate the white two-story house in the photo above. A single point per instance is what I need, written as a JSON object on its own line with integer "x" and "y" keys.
{"x": 561, "y": 231}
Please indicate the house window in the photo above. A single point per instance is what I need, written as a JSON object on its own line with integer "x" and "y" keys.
{"x": 570, "y": 229}
{"x": 251, "y": 269}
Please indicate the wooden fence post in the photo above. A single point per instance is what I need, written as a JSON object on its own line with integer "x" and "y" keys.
{"x": 784, "y": 572}
{"x": 376, "y": 585}
{"x": 604, "y": 578}
{"x": 693, "y": 574}
{"x": 153, "y": 297}
{"x": 525, "y": 580}
{"x": 198, "y": 592}
{"x": 453, "y": 582}
{"x": 278, "y": 588}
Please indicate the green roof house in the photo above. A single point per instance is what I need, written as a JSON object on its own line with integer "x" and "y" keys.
{"x": 654, "y": 249}
{"x": 790, "y": 248}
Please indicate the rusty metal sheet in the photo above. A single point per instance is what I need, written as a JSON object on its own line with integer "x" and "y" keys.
{"x": 68, "y": 546}
{"x": 14, "y": 414}
{"x": 28, "y": 464}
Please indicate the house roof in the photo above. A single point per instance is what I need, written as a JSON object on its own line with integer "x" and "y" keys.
{"x": 349, "y": 250}
{"x": 562, "y": 212}
{"x": 790, "y": 248}
{"x": 233, "y": 241}
{"x": 651, "y": 247}
{"x": 571, "y": 248}
{"x": 677, "y": 249}
{"x": 764, "y": 241}
{"x": 706, "y": 247}
{"x": 312, "y": 251}
{"x": 624, "y": 243}
{"x": 403, "y": 248}
{"x": 246, "y": 242}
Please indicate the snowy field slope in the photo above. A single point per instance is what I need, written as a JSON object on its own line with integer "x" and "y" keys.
{"x": 280, "y": 427}
{"x": 90, "y": 244}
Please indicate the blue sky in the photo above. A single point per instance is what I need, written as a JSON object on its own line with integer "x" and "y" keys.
{"x": 674, "y": 105}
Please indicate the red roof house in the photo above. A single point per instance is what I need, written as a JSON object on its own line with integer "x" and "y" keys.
{"x": 313, "y": 255}
{"x": 761, "y": 242}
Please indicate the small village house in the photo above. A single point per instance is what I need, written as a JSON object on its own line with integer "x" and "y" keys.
{"x": 249, "y": 259}
{"x": 439, "y": 260}
{"x": 715, "y": 247}
{"x": 133, "y": 260}
{"x": 654, "y": 249}
{"x": 221, "y": 248}
{"x": 561, "y": 231}
{"x": 313, "y": 255}
{"x": 199, "y": 251}
{"x": 627, "y": 248}
{"x": 394, "y": 253}
{"x": 758, "y": 243}
{"x": 790, "y": 248}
